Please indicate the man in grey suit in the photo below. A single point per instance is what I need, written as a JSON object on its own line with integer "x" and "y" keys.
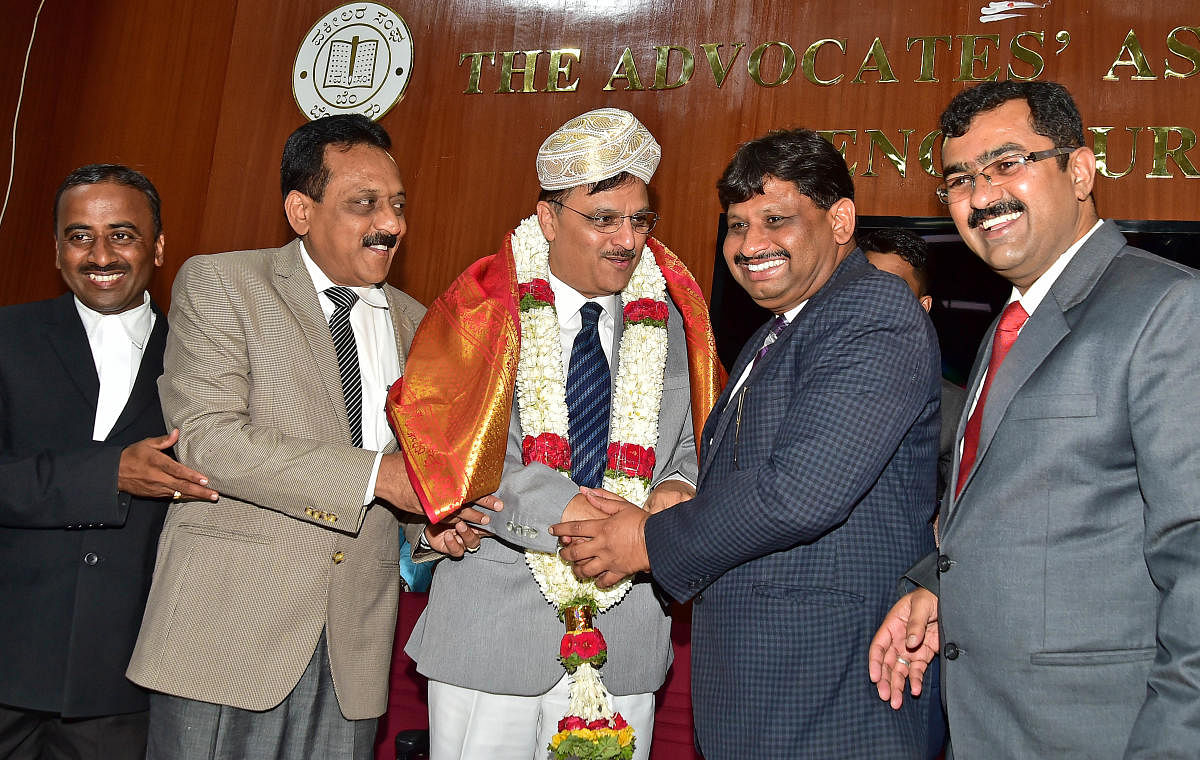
{"x": 503, "y": 701}
{"x": 268, "y": 631}
{"x": 1065, "y": 593}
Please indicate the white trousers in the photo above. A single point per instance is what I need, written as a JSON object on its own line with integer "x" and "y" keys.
{"x": 465, "y": 724}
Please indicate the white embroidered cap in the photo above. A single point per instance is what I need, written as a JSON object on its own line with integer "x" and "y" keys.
{"x": 595, "y": 146}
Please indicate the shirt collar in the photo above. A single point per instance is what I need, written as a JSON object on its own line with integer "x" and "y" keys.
{"x": 138, "y": 321}
{"x": 1041, "y": 286}
{"x": 372, "y": 295}
{"x": 568, "y": 301}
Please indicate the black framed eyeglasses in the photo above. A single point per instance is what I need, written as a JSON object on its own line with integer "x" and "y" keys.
{"x": 959, "y": 186}
{"x": 642, "y": 222}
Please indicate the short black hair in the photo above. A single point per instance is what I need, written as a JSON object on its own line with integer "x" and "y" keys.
{"x": 303, "y": 165}
{"x": 1054, "y": 112}
{"x": 118, "y": 174}
{"x": 912, "y": 248}
{"x": 610, "y": 183}
{"x": 799, "y": 156}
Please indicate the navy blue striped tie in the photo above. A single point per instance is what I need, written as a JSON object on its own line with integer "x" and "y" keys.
{"x": 588, "y": 392}
{"x": 347, "y": 355}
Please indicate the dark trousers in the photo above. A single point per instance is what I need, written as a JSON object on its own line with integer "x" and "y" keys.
{"x": 308, "y": 724}
{"x": 35, "y": 735}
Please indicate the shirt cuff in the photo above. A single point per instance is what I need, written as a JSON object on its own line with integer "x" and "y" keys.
{"x": 369, "y": 496}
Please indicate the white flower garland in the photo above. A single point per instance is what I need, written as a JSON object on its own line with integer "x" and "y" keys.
{"x": 542, "y": 402}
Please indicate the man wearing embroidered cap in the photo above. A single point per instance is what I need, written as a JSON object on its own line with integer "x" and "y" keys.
{"x": 561, "y": 361}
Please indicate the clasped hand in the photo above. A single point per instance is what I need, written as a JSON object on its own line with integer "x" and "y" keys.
{"x": 609, "y": 546}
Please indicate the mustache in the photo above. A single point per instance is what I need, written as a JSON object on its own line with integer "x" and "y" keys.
{"x": 618, "y": 253}
{"x": 110, "y": 269}
{"x": 980, "y": 215}
{"x": 740, "y": 259}
{"x": 380, "y": 238}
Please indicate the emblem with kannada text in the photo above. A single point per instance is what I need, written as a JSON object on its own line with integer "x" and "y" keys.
{"x": 357, "y": 58}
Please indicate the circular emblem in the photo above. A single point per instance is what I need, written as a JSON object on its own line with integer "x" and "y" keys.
{"x": 356, "y": 59}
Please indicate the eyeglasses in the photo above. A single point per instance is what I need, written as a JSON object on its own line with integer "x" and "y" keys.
{"x": 641, "y": 222}
{"x": 957, "y": 187}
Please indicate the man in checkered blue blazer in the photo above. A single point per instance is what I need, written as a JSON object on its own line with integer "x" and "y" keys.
{"x": 817, "y": 478}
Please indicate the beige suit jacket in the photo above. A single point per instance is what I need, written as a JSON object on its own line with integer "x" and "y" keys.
{"x": 244, "y": 586}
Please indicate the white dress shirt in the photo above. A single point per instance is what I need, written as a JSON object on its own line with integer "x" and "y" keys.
{"x": 788, "y": 315}
{"x": 378, "y": 363}
{"x": 118, "y": 342}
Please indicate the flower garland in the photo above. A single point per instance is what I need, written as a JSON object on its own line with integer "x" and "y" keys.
{"x": 590, "y": 729}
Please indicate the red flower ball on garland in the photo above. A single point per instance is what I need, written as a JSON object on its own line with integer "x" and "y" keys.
{"x": 631, "y": 459}
{"x": 572, "y": 723}
{"x": 550, "y": 449}
{"x": 646, "y": 310}
{"x": 534, "y": 293}
{"x": 583, "y": 646}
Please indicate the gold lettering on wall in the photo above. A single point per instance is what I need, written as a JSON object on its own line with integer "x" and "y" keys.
{"x": 928, "y": 54}
{"x": 1027, "y": 55}
{"x": 1178, "y": 154}
{"x": 560, "y": 66}
{"x": 720, "y": 70}
{"x": 971, "y": 55}
{"x": 1136, "y": 59}
{"x": 1103, "y": 156}
{"x": 898, "y": 158}
{"x": 1185, "y": 51}
{"x": 476, "y": 68}
{"x": 507, "y": 70}
{"x": 662, "y": 63}
{"x": 754, "y": 64}
{"x": 808, "y": 63}
{"x": 830, "y": 136}
{"x": 626, "y": 69}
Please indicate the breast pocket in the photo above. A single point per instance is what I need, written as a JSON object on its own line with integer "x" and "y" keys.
{"x": 1056, "y": 406}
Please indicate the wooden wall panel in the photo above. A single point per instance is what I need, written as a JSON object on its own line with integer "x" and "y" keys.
{"x": 198, "y": 95}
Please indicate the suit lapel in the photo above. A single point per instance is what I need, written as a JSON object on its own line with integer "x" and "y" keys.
{"x": 725, "y": 411}
{"x": 296, "y": 288}
{"x": 1046, "y": 328}
{"x": 67, "y": 337}
{"x": 145, "y": 386}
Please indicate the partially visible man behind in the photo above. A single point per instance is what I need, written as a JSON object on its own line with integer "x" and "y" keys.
{"x": 1068, "y": 580}
{"x": 268, "y": 631}
{"x": 86, "y": 472}
{"x": 907, "y": 256}
{"x": 816, "y": 482}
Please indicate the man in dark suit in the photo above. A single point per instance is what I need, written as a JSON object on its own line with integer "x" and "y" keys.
{"x": 817, "y": 477}
{"x": 907, "y": 256}
{"x": 1068, "y": 579}
{"x": 85, "y": 467}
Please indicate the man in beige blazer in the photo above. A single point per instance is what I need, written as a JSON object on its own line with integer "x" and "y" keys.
{"x": 268, "y": 631}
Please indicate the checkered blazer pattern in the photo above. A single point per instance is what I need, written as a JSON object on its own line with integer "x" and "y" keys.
{"x": 809, "y": 507}
{"x": 243, "y": 586}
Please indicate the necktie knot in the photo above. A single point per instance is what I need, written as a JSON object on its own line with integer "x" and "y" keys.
{"x": 1013, "y": 318}
{"x": 590, "y": 313}
{"x": 343, "y": 298}
{"x": 776, "y": 328}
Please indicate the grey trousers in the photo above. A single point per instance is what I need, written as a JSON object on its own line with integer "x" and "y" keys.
{"x": 307, "y": 724}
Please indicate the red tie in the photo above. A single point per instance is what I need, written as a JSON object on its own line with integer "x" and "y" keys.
{"x": 1006, "y": 334}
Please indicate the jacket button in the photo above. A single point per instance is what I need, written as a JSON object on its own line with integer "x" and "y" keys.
{"x": 338, "y": 558}
{"x": 951, "y": 651}
{"x": 944, "y": 564}
{"x": 90, "y": 558}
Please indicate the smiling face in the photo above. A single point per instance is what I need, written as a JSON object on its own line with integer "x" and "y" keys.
{"x": 591, "y": 262}
{"x": 1020, "y": 228}
{"x": 353, "y": 232}
{"x": 781, "y": 247}
{"x": 106, "y": 248}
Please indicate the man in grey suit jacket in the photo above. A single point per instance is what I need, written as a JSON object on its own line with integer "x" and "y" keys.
{"x": 1068, "y": 579}
{"x": 817, "y": 480}
{"x": 504, "y": 701}
{"x": 268, "y": 631}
